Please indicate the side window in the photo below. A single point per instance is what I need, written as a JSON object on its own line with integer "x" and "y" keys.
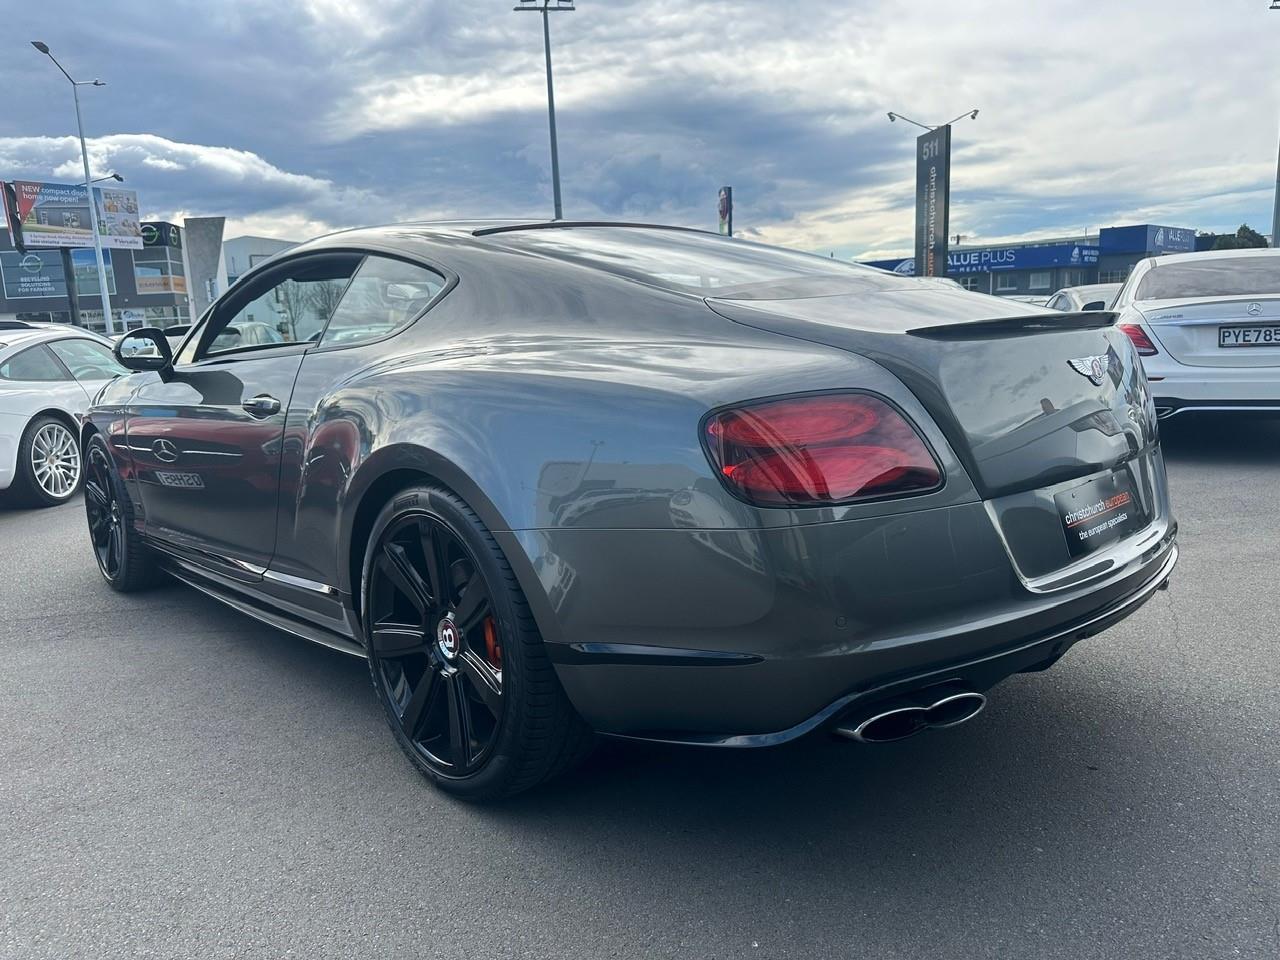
{"x": 87, "y": 360}
{"x": 384, "y": 295}
{"x": 33, "y": 364}
{"x": 288, "y": 305}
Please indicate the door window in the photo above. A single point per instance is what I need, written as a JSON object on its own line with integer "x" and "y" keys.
{"x": 384, "y": 295}
{"x": 33, "y": 364}
{"x": 290, "y": 304}
{"x": 87, "y": 360}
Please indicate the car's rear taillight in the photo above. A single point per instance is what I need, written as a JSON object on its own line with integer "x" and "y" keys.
{"x": 1141, "y": 341}
{"x": 819, "y": 450}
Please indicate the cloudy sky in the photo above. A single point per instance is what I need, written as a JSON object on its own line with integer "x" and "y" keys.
{"x": 294, "y": 118}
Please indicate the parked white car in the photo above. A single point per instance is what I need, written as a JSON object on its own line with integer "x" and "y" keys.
{"x": 1091, "y": 296}
{"x": 48, "y": 375}
{"x": 1208, "y": 328}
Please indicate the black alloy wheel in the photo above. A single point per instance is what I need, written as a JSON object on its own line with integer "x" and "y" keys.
{"x": 433, "y": 632}
{"x": 454, "y": 656}
{"x": 102, "y": 508}
{"x": 123, "y": 560}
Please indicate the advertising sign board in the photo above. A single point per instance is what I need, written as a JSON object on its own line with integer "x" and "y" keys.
{"x": 997, "y": 259}
{"x": 933, "y": 198}
{"x": 38, "y": 273}
{"x": 57, "y": 215}
{"x": 726, "y": 211}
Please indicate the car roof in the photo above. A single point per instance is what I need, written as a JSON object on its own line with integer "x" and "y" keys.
{"x": 440, "y": 229}
{"x": 1214, "y": 255}
{"x": 14, "y": 339}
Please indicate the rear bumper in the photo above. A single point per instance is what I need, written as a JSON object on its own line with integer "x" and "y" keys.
{"x": 978, "y": 674}
{"x": 753, "y": 637}
{"x": 1176, "y": 387}
{"x": 1167, "y": 407}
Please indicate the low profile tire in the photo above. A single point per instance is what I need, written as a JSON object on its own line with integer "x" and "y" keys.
{"x": 454, "y": 655}
{"x": 123, "y": 560}
{"x": 49, "y": 465}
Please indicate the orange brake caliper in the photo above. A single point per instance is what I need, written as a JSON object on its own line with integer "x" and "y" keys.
{"x": 492, "y": 648}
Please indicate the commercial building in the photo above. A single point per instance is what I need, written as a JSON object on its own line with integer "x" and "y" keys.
{"x": 178, "y": 272}
{"x": 1037, "y": 268}
{"x": 241, "y": 253}
{"x": 148, "y": 287}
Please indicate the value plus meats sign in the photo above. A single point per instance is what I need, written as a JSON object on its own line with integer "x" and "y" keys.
{"x": 933, "y": 197}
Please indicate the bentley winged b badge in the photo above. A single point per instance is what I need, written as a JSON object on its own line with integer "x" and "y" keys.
{"x": 1095, "y": 368}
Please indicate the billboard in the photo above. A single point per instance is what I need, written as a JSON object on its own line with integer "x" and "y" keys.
{"x": 996, "y": 259}
{"x": 933, "y": 199}
{"x": 37, "y": 274}
{"x": 726, "y": 211}
{"x": 57, "y": 215}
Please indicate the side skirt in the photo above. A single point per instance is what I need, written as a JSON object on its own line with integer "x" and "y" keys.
{"x": 239, "y": 600}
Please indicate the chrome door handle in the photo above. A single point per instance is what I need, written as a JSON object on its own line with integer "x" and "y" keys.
{"x": 262, "y": 406}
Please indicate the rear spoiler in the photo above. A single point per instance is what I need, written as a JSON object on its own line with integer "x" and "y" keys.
{"x": 1016, "y": 326}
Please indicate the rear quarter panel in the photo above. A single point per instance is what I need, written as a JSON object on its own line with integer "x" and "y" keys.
{"x": 580, "y": 409}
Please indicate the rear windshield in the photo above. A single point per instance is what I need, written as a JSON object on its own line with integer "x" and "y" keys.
{"x": 1229, "y": 277}
{"x": 693, "y": 262}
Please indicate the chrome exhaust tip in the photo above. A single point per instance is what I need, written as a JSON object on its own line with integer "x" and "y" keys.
{"x": 926, "y": 709}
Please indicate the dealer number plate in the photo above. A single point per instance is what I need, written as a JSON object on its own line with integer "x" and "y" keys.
{"x": 1099, "y": 512}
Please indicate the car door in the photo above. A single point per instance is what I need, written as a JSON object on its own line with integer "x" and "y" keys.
{"x": 207, "y": 437}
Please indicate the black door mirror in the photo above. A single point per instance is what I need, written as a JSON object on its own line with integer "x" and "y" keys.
{"x": 1095, "y": 305}
{"x": 144, "y": 349}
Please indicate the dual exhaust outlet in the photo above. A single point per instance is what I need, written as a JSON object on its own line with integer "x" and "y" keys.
{"x": 932, "y": 708}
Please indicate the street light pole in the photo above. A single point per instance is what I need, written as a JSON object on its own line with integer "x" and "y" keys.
{"x": 546, "y": 8}
{"x": 88, "y": 184}
{"x": 1275, "y": 204}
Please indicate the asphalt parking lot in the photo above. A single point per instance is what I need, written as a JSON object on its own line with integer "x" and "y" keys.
{"x": 178, "y": 781}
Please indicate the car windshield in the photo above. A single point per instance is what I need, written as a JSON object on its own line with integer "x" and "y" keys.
{"x": 691, "y": 261}
{"x": 1226, "y": 277}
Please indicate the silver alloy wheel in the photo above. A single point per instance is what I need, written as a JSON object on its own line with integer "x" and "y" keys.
{"x": 55, "y": 460}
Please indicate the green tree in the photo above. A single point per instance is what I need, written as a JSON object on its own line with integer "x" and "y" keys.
{"x": 1243, "y": 239}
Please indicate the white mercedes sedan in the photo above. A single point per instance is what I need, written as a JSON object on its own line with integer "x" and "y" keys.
{"x": 1207, "y": 326}
{"x": 48, "y": 374}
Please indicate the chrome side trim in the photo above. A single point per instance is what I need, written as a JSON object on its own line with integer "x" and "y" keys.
{"x": 1168, "y": 413}
{"x": 178, "y": 550}
{"x": 301, "y": 583}
{"x": 182, "y": 451}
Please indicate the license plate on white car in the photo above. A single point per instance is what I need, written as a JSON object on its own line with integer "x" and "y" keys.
{"x": 1259, "y": 336}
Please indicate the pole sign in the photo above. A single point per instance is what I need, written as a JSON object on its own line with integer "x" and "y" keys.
{"x": 726, "y": 211}
{"x": 57, "y": 215}
{"x": 933, "y": 198}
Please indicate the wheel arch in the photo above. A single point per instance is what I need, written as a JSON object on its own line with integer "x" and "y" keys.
{"x": 58, "y": 414}
{"x": 87, "y": 429}
{"x": 393, "y": 468}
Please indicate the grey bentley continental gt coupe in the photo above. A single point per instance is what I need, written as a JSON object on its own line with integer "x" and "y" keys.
{"x": 563, "y": 479}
